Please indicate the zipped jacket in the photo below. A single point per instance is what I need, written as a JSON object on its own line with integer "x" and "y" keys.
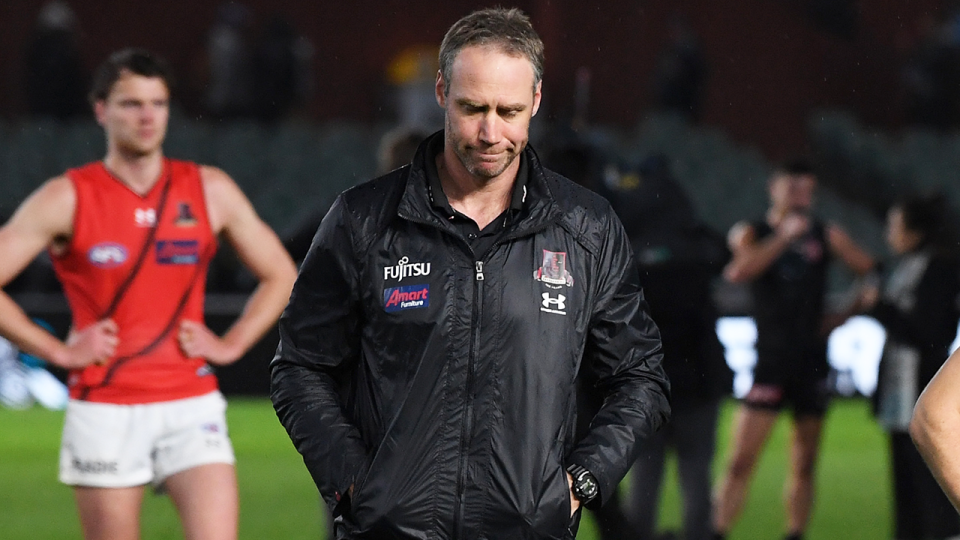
{"x": 432, "y": 392}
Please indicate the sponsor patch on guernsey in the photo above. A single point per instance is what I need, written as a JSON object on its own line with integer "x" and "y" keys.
{"x": 406, "y": 297}
{"x": 178, "y": 251}
{"x": 107, "y": 255}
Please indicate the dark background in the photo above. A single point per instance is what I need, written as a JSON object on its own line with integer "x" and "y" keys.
{"x": 770, "y": 61}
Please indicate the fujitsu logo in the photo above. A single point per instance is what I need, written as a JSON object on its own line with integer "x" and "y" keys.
{"x": 405, "y": 269}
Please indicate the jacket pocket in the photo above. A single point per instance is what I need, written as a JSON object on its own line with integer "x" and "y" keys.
{"x": 357, "y": 499}
{"x": 552, "y": 517}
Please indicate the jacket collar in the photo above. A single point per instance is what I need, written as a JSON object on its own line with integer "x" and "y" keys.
{"x": 532, "y": 199}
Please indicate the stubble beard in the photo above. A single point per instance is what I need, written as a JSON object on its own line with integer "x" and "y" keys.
{"x": 475, "y": 167}
{"x": 463, "y": 153}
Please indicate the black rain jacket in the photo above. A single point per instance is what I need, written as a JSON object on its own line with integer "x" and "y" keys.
{"x": 442, "y": 386}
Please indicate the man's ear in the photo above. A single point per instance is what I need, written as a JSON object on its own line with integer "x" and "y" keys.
{"x": 441, "y": 90}
{"x": 536, "y": 98}
{"x": 99, "y": 111}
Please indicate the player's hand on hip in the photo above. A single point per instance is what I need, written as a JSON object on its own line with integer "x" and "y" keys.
{"x": 198, "y": 341}
{"x": 95, "y": 344}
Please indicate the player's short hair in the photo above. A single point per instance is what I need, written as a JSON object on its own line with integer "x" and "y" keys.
{"x": 797, "y": 166}
{"x": 137, "y": 61}
{"x": 509, "y": 30}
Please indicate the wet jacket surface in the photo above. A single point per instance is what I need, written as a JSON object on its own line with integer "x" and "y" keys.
{"x": 441, "y": 385}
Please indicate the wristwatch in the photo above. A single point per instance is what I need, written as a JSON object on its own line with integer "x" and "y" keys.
{"x": 585, "y": 487}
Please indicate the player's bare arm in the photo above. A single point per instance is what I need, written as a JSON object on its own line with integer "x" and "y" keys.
{"x": 844, "y": 248}
{"x": 258, "y": 247}
{"x": 45, "y": 219}
{"x": 862, "y": 296}
{"x": 935, "y": 427}
{"x": 752, "y": 257}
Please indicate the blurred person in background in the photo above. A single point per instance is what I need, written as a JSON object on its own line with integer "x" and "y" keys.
{"x": 410, "y": 78}
{"x": 785, "y": 258}
{"x": 130, "y": 238}
{"x": 931, "y": 72}
{"x": 679, "y": 79}
{"x": 396, "y": 149}
{"x": 230, "y": 84}
{"x": 919, "y": 306}
{"x": 54, "y": 78}
{"x": 282, "y": 75}
{"x": 679, "y": 258}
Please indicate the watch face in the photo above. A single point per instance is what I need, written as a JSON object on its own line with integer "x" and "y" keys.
{"x": 588, "y": 486}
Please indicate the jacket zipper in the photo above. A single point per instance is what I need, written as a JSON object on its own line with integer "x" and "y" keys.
{"x": 467, "y": 426}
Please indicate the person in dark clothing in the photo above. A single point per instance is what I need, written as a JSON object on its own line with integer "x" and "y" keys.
{"x": 55, "y": 82}
{"x": 918, "y": 307}
{"x": 680, "y": 76}
{"x": 429, "y": 353}
{"x": 679, "y": 259}
{"x": 785, "y": 258}
{"x": 281, "y": 70}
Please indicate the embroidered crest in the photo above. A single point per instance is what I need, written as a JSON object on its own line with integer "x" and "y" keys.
{"x": 553, "y": 270}
{"x": 185, "y": 217}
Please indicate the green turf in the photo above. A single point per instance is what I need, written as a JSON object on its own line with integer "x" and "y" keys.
{"x": 278, "y": 500}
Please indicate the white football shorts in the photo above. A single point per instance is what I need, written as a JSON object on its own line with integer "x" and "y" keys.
{"x": 108, "y": 445}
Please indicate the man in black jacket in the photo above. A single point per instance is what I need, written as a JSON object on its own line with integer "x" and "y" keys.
{"x": 429, "y": 354}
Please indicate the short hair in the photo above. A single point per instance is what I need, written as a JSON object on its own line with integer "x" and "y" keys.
{"x": 796, "y": 166}
{"x": 509, "y": 30}
{"x": 926, "y": 215}
{"x": 137, "y": 61}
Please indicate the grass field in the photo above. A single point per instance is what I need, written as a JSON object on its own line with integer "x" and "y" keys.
{"x": 278, "y": 500}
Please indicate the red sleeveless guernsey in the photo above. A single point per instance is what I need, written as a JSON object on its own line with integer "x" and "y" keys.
{"x": 146, "y": 280}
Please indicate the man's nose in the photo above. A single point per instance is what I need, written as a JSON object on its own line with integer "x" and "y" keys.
{"x": 490, "y": 129}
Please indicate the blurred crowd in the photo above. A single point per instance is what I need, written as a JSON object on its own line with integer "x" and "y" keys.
{"x": 250, "y": 68}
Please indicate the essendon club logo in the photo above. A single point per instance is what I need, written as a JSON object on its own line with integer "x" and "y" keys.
{"x": 406, "y": 297}
{"x": 553, "y": 270}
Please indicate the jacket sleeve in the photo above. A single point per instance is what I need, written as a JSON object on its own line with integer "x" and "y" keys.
{"x": 319, "y": 339}
{"x": 623, "y": 355}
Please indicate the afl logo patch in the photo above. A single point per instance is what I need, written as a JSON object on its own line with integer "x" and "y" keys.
{"x": 107, "y": 255}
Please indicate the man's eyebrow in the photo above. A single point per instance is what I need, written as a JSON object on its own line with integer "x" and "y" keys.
{"x": 515, "y": 107}
{"x": 464, "y": 102}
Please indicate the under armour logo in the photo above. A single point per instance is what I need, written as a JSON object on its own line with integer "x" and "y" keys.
{"x": 553, "y": 305}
